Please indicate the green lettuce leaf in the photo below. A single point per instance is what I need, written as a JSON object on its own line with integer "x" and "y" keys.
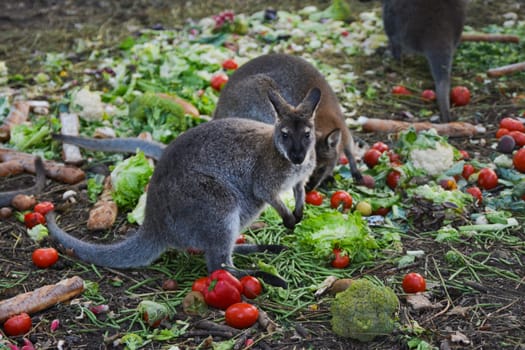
{"x": 129, "y": 178}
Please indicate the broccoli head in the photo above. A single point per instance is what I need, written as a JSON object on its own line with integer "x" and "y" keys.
{"x": 364, "y": 311}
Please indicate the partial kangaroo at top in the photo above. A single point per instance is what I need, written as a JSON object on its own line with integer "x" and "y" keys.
{"x": 244, "y": 96}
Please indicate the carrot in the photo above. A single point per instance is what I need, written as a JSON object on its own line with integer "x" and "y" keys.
{"x": 70, "y": 126}
{"x": 490, "y": 37}
{"x": 40, "y": 181}
{"x": 54, "y": 170}
{"x": 104, "y": 213}
{"x": 41, "y": 298}
{"x": 506, "y": 70}
{"x": 186, "y": 106}
{"x": 453, "y": 129}
{"x": 18, "y": 114}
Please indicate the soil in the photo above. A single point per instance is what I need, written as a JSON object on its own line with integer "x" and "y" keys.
{"x": 488, "y": 311}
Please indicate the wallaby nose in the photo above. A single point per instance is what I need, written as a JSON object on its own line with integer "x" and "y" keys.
{"x": 297, "y": 158}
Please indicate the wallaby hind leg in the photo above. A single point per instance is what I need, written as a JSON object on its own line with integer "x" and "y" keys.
{"x": 441, "y": 67}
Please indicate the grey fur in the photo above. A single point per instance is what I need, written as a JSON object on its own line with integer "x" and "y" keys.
{"x": 431, "y": 28}
{"x": 213, "y": 181}
{"x": 243, "y": 96}
{"x": 40, "y": 182}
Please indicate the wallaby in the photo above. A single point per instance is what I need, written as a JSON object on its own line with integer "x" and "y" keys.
{"x": 243, "y": 95}
{"x": 40, "y": 182}
{"x": 211, "y": 182}
{"x": 430, "y": 28}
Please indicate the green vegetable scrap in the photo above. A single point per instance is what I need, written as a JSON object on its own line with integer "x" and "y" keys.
{"x": 364, "y": 311}
{"x": 323, "y": 232}
{"x": 25, "y": 137}
{"x": 129, "y": 179}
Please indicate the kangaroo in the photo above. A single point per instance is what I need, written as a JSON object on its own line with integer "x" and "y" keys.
{"x": 430, "y": 28}
{"x": 226, "y": 171}
{"x": 243, "y": 95}
{"x": 40, "y": 181}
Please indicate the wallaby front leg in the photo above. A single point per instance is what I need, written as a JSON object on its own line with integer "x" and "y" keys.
{"x": 299, "y": 195}
{"x": 289, "y": 219}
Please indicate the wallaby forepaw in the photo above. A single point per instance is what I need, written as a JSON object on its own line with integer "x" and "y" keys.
{"x": 289, "y": 222}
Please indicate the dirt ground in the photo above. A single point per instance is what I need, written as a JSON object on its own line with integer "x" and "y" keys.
{"x": 490, "y": 311}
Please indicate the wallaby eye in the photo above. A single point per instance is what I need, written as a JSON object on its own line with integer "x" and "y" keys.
{"x": 307, "y": 134}
{"x": 284, "y": 134}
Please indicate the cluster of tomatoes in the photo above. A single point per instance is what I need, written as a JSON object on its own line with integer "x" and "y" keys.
{"x": 224, "y": 291}
{"x": 511, "y": 135}
{"x": 219, "y": 79}
{"x": 459, "y": 95}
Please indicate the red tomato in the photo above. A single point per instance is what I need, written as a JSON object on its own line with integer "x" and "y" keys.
{"x": 241, "y": 315}
{"x": 43, "y": 207}
{"x": 476, "y": 193}
{"x": 519, "y": 160}
{"x": 18, "y": 325}
{"x": 468, "y": 169}
{"x": 380, "y": 146}
{"x": 400, "y": 90}
{"x": 44, "y": 257}
{"x": 511, "y": 124}
{"x": 413, "y": 282}
{"x": 314, "y": 198}
{"x": 341, "y": 197}
{"x": 371, "y": 157}
{"x": 201, "y": 284}
{"x": 487, "y": 179}
{"x": 501, "y": 132}
{"x": 33, "y": 219}
{"x": 340, "y": 260}
{"x": 343, "y": 160}
{"x": 460, "y": 95}
{"x": 221, "y": 294}
{"x": 518, "y": 136}
{"x": 251, "y": 287}
{"x": 392, "y": 179}
{"x": 241, "y": 239}
{"x": 226, "y": 276}
{"x": 230, "y": 63}
{"x": 464, "y": 154}
{"x": 428, "y": 95}
{"x": 381, "y": 211}
{"x": 395, "y": 159}
{"x": 218, "y": 80}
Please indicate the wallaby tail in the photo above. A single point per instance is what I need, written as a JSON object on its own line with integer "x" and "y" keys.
{"x": 151, "y": 149}
{"x": 134, "y": 251}
{"x": 40, "y": 182}
{"x": 441, "y": 67}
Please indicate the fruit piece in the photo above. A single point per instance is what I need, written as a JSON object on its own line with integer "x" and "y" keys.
{"x": 428, "y": 95}
{"x": 371, "y": 157}
{"x": 400, "y": 90}
{"x": 392, "y": 179}
{"x": 218, "y": 80}
{"x": 341, "y": 197}
{"x": 518, "y": 160}
{"x": 230, "y": 64}
{"x": 511, "y": 124}
{"x": 460, "y": 95}
{"x": 468, "y": 169}
{"x": 241, "y": 239}
{"x": 368, "y": 181}
{"x": 518, "y": 136}
{"x": 228, "y": 277}
{"x": 343, "y": 160}
{"x": 241, "y": 315}
{"x": 33, "y": 219}
{"x": 364, "y": 208}
{"x": 170, "y": 284}
{"x": 487, "y": 179}
{"x": 501, "y": 132}
{"x": 18, "y": 325}
{"x": 314, "y": 198}
{"x": 43, "y": 207}
{"x": 381, "y": 211}
{"x": 44, "y": 257}
{"x": 448, "y": 184}
{"x": 506, "y": 144}
{"x": 251, "y": 287}
{"x": 464, "y": 154}
{"x": 475, "y": 192}
{"x": 340, "y": 260}
{"x": 413, "y": 282}
{"x": 200, "y": 284}
{"x": 380, "y": 146}
{"x": 221, "y": 294}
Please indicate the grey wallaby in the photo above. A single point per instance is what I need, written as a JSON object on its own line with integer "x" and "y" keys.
{"x": 431, "y": 28}
{"x": 211, "y": 182}
{"x": 243, "y": 95}
{"x": 40, "y": 182}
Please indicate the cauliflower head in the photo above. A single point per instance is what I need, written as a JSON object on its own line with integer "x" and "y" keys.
{"x": 88, "y": 105}
{"x": 364, "y": 311}
{"x": 433, "y": 160}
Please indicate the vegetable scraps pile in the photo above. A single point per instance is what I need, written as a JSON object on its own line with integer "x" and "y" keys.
{"x": 418, "y": 184}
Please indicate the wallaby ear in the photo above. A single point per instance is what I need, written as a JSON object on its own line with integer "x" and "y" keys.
{"x": 311, "y": 101}
{"x": 278, "y": 102}
{"x": 333, "y": 138}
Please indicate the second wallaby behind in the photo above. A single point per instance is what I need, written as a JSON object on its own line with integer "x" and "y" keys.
{"x": 244, "y": 96}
